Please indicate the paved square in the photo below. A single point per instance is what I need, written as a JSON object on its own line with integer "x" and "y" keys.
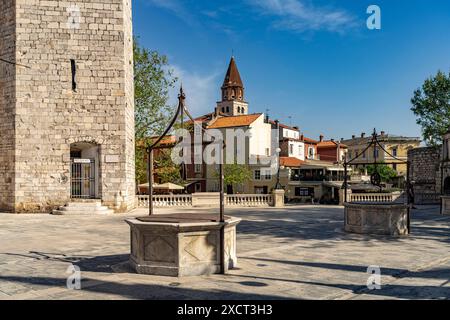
{"x": 296, "y": 252}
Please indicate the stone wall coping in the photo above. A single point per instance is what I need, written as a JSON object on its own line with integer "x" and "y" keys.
{"x": 182, "y": 226}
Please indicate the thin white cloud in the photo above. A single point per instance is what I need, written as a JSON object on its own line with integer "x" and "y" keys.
{"x": 176, "y": 7}
{"x": 298, "y": 16}
{"x": 201, "y": 90}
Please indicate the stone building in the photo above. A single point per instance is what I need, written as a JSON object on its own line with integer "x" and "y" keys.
{"x": 430, "y": 171}
{"x": 424, "y": 174}
{"x": 397, "y": 146}
{"x": 66, "y": 104}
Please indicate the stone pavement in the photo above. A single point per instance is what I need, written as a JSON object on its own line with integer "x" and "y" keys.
{"x": 296, "y": 252}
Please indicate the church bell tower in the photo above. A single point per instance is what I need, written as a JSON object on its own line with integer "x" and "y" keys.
{"x": 233, "y": 103}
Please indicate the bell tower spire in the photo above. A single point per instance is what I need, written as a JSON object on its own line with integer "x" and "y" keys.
{"x": 232, "y": 102}
{"x": 232, "y": 87}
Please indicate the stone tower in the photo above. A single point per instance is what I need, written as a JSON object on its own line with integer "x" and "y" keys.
{"x": 66, "y": 104}
{"x": 232, "y": 103}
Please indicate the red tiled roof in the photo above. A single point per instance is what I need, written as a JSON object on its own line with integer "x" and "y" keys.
{"x": 291, "y": 162}
{"x": 283, "y": 126}
{"x": 309, "y": 140}
{"x": 235, "y": 121}
{"x": 329, "y": 144}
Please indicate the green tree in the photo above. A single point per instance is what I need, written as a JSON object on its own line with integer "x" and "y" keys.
{"x": 152, "y": 81}
{"x": 386, "y": 173}
{"x": 431, "y": 105}
{"x": 235, "y": 174}
{"x": 166, "y": 169}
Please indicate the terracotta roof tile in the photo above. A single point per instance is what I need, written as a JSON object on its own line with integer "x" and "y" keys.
{"x": 291, "y": 162}
{"x": 235, "y": 121}
{"x": 329, "y": 144}
{"x": 309, "y": 140}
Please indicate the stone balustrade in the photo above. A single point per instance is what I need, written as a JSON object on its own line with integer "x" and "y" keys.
{"x": 374, "y": 197}
{"x": 236, "y": 200}
{"x": 249, "y": 200}
{"x": 176, "y": 200}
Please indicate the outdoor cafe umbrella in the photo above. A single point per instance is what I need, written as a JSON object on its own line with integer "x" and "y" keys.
{"x": 164, "y": 186}
{"x": 168, "y": 186}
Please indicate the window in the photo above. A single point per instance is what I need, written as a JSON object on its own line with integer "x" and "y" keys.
{"x": 394, "y": 166}
{"x": 375, "y": 152}
{"x": 268, "y": 152}
{"x": 364, "y": 155}
{"x": 239, "y": 109}
{"x": 349, "y": 155}
{"x": 73, "y": 68}
{"x": 223, "y": 109}
{"x": 257, "y": 175}
{"x": 311, "y": 153}
{"x": 304, "y": 192}
{"x": 300, "y": 150}
{"x": 228, "y": 109}
{"x": 198, "y": 168}
{"x": 291, "y": 149}
{"x": 394, "y": 152}
{"x": 267, "y": 175}
{"x": 198, "y": 187}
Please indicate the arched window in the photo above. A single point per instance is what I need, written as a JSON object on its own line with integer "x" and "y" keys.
{"x": 228, "y": 109}
{"x": 223, "y": 109}
{"x": 239, "y": 109}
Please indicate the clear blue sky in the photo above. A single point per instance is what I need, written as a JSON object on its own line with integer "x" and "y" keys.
{"x": 315, "y": 61}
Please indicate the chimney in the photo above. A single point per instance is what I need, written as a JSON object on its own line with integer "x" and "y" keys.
{"x": 302, "y": 137}
{"x": 266, "y": 120}
{"x": 296, "y": 128}
{"x": 382, "y": 133}
{"x": 332, "y": 140}
{"x": 363, "y": 135}
{"x": 342, "y": 139}
{"x": 353, "y": 136}
{"x": 321, "y": 138}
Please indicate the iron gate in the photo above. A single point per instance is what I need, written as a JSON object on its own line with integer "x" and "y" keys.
{"x": 83, "y": 178}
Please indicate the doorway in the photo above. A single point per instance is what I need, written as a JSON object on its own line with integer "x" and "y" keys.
{"x": 84, "y": 171}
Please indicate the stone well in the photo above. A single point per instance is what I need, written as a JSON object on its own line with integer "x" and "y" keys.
{"x": 445, "y": 205}
{"x": 181, "y": 244}
{"x": 377, "y": 218}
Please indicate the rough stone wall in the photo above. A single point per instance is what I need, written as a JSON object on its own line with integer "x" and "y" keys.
{"x": 425, "y": 171}
{"x": 50, "y": 115}
{"x": 7, "y": 98}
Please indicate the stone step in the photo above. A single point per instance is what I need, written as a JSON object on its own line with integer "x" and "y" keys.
{"x": 84, "y": 204}
{"x": 82, "y": 212}
{"x": 83, "y": 208}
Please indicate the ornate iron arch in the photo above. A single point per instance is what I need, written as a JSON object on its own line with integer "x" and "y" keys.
{"x": 375, "y": 178}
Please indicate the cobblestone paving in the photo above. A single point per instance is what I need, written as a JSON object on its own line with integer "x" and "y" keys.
{"x": 298, "y": 252}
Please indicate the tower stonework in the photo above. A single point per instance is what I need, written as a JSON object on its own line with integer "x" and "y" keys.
{"x": 66, "y": 105}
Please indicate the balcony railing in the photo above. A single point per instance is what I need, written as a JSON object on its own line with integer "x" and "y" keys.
{"x": 316, "y": 178}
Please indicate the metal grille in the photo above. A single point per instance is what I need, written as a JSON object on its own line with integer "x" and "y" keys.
{"x": 83, "y": 179}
